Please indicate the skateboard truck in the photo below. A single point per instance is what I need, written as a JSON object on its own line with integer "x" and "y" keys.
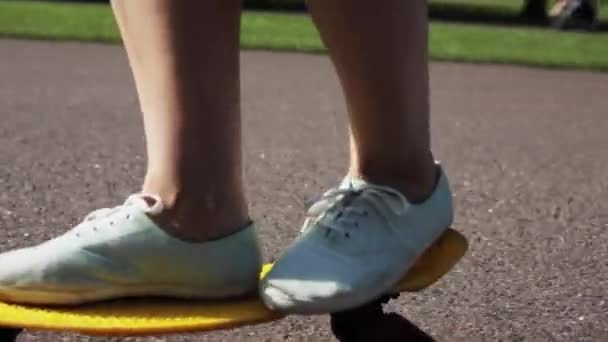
{"x": 370, "y": 323}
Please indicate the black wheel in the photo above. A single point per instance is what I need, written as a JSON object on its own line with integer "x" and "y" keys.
{"x": 9, "y": 334}
{"x": 371, "y": 323}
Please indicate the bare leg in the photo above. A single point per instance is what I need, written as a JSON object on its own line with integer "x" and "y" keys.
{"x": 185, "y": 61}
{"x": 362, "y": 238}
{"x": 380, "y": 54}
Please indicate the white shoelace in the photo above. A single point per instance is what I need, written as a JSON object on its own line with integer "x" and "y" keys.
{"x": 138, "y": 199}
{"x": 350, "y": 205}
{"x": 134, "y": 199}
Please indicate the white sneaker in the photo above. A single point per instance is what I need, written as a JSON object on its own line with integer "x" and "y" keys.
{"x": 121, "y": 252}
{"x": 360, "y": 239}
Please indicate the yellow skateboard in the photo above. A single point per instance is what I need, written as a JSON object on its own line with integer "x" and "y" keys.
{"x": 154, "y": 316}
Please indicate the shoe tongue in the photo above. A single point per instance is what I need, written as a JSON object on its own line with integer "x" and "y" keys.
{"x": 353, "y": 183}
{"x": 141, "y": 202}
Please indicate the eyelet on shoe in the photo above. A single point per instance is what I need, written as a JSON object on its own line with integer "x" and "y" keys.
{"x": 128, "y": 216}
{"x": 347, "y": 235}
{"x": 111, "y": 223}
{"x": 365, "y": 213}
{"x": 357, "y": 224}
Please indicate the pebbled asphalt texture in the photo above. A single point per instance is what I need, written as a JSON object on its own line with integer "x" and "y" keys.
{"x": 526, "y": 151}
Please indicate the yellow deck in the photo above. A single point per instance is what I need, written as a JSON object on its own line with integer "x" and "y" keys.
{"x": 149, "y": 316}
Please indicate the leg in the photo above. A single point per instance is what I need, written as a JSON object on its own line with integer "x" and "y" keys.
{"x": 380, "y": 54}
{"x": 185, "y": 59}
{"x": 364, "y": 235}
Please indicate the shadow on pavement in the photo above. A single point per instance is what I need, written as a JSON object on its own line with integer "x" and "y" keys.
{"x": 370, "y": 323}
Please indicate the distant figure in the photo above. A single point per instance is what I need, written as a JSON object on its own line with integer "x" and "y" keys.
{"x": 574, "y": 14}
{"x": 565, "y": 14}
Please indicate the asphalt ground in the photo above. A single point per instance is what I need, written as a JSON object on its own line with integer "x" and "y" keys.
{"x": 526, "y": 151}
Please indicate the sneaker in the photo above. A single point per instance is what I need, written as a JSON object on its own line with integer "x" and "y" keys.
{"x": 359, "y": 240}
{"x": 120, "y": 252}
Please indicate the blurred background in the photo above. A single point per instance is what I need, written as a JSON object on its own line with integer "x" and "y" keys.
{"x": 547, "y": 33}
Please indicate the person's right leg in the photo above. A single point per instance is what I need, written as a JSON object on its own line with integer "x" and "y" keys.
{"x": 189, "y": 233}
{"x": 184, "y": 57}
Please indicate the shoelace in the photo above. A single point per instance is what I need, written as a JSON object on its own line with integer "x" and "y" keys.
{"x": 349, "y": 207}
{"x": 138, "y": 199}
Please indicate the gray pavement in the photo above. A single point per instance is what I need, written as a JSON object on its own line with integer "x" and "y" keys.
{"x": 526, "y": 150}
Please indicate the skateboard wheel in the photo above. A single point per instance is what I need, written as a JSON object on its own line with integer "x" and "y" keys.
{"x": 371, "y": 324}
{"x": 9, "y": 335}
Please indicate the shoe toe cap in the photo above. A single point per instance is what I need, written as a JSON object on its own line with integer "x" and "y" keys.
{"x": 307, "y": 280}
{"x": 14, "y": 268}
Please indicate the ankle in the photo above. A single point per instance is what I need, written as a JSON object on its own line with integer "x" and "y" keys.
{"x": 201, "y": 215}
{"x": 415, "y": 180}
{"x": 203, "y": 219}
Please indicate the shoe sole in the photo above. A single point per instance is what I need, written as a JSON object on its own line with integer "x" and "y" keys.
{"x": 435, "y": 262}
{"x": 38, "y": 297}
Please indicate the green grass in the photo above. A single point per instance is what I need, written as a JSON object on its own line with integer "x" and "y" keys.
{"x": 502, "y": 6}
{"x": 291, "y": 32}
{"x": 536, "y": 47}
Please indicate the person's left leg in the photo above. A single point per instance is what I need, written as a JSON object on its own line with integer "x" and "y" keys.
{"x": 363, "y": 235}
